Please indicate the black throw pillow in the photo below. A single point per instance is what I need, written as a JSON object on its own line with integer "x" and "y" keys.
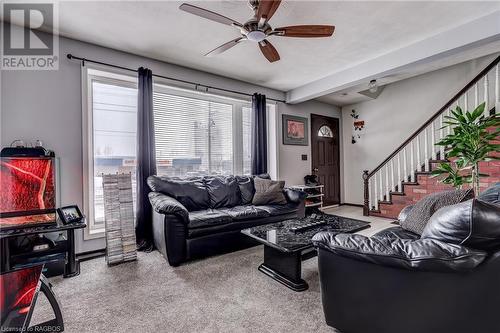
{"x": 422, "y": 211}
{"x": 472, "y": 223}
{"x": 247, "y": 189}
{"x": 223, "y": 191}
{"x": 191, "y": 193}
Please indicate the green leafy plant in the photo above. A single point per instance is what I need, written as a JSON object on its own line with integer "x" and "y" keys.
{"x": 471, "y": 141}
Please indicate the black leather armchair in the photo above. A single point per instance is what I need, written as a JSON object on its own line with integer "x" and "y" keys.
{"x": 396, "y": 281}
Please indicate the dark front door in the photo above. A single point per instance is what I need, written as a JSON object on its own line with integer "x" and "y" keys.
{"x": 326, "y": 156}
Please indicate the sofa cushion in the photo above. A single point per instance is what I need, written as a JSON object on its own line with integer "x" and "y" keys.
{"x": 419, "y": 254}
{"x": 491, "y": 194}
{"x": 276, "y": 210}
{"x": 207, "y": 218}
{"x": 268, "y": 192}
{"x": 239, "y": 213}
{"x": 223, "y": 191}
{"x": 247, "y": 189}
{"x": 473, "y": 223}
{"x": 422, "y": 211}
{"x": 191, "y": 193}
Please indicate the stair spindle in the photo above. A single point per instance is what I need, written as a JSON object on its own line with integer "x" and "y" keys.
{"x": 466, "y": 101}
{"x": 486, "y": 96}
{"x": 497, "y": 86}
{"x": 441, "y": 136}
{"x": 433, "y": 140}
{"x": 370, "y": 198}
{"x": 387, "y": 182}
{"x": 476, "y": 96}
{"x": 426, "y": 150}
{"x": 419, "y": 164}
{"x": 381, "y": 187}
{"x": 393, "y": 186}
{"x": 412, "y": 164}
{"x": 399, "y": 173}
{"x": 405, "y": 173}
{"x": 376, "y": 192}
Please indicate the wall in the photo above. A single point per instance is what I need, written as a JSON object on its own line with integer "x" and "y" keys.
{"x": 46, "y": 105}
{"x": 400, "y": 110}
{"x": 291, "y": 167}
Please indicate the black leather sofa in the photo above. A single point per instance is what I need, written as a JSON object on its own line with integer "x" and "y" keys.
{"x": 203, "y": 216}
{"x": 446, "y": 280}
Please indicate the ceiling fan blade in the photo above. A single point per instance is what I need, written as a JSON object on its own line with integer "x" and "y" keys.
{"x": 306, "y": 31}
{"x": 269, "y": 51}
{"x": 224, "y": 47}
{"x": 267, "y": 8}
{"x": 205, "y": 13}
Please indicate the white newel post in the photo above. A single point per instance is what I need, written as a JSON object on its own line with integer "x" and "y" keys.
{"x": 376, "y": 192}
{"x": 476, "y": 96}
{"x": 381, "y": 187}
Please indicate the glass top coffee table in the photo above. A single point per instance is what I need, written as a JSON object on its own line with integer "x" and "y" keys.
{"x": 285, "y": 247}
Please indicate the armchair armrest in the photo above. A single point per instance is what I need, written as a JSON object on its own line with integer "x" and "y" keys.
{"x": 166, "y": 205}
{"x": 403, "y": 214}
{"x": 420, "y": 254}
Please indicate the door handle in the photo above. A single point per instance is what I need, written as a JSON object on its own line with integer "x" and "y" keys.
{"x": 315, "y": 170}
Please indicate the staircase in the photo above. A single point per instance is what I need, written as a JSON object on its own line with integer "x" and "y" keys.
{"x": 405, "y": 176}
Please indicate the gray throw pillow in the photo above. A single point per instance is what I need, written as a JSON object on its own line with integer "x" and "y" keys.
{"x": 491, "y": 194}
{"x": 268, "y": 192}
{"x": 420, "y": 214}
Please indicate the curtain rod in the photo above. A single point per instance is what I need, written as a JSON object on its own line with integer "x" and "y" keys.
{"x": 83, "y": 60}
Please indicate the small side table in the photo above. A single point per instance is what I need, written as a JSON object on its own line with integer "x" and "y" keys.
{"x": 72, "y": 266}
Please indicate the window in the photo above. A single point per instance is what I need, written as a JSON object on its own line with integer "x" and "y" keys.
{"x": 325, "y": 132}
{"x": 111, "y": 124}
{"x": 195, "y": 133}
{"x": 199, "y": 134}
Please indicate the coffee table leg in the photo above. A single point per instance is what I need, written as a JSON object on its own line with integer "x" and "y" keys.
{"x": 284, "y": 267}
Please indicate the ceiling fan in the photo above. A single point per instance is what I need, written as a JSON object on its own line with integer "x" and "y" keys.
{"x": 257, "y": 28}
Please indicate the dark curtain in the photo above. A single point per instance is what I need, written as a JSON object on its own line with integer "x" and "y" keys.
{"x": 259, "y": 134}
{"x": 146, "y": 159}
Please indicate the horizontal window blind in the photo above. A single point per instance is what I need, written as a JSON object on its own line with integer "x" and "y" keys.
{"x": 193, "y": 136}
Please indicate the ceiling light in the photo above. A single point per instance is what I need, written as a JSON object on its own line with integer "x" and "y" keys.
{"x": 372, "y": 86}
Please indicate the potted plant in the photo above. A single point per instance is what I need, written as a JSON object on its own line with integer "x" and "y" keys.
{"x": 471, "y": 140}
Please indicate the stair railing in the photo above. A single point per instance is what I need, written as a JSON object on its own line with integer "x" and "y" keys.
{"x": 415, "y": 154}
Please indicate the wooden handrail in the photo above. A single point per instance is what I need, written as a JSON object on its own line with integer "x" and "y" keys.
{"x": 437, "y": 114}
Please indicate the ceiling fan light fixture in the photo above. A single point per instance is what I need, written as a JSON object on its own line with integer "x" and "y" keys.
{"x": 256, "y": 36}
{"x": 372, "y": 86}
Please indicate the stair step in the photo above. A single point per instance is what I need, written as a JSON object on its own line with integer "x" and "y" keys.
{"x": 438, "y": 161}
{"x": 385, "y": 202}
{"x": 396, "y": 193}
{"x": 410, "y": 183}
{"x": 423, "y": 173}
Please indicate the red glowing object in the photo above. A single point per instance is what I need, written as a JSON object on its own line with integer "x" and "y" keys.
{"x": 17, "y": 292}
{"x": 27, "y": 187}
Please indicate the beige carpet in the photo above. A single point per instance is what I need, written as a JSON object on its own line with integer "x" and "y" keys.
{"x": 220, "y": 294}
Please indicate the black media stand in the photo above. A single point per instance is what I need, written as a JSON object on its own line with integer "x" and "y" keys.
{"x": 11, "y": 260}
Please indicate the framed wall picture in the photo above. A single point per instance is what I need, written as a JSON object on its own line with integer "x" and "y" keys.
{"x": 295, "y": 130}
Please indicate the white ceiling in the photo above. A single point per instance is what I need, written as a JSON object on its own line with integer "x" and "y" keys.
{"x": 364, "y": 30}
